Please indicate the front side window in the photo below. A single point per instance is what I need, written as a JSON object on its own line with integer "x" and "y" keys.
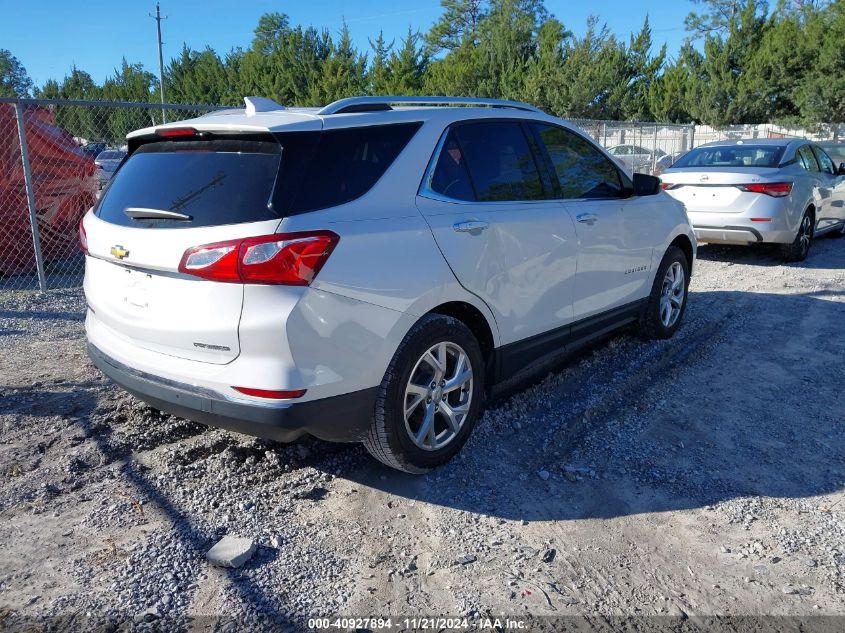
{"x": 582, "y": 170}
{"x": 500, "y": 161}
{"x": 806, "y": 158}
{"x": 824, "y": 160}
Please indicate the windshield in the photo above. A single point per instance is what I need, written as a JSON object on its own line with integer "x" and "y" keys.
{"x": 732, "y": 156}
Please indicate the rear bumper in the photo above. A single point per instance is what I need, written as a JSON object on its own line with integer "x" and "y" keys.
{"x": 740, "y": 233}
{"x": 728, "y": 234}
{"x": 342, "y": 418}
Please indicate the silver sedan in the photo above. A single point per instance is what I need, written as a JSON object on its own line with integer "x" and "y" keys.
{"x": 783, "y": 191}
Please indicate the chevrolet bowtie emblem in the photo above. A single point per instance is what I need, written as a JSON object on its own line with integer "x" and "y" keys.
{"x": 119, "y": 252}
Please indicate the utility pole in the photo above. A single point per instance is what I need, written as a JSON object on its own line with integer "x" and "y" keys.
{"x": 157, "y": 17}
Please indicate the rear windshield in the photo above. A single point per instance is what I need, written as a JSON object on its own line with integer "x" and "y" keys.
{"x": 222, "y": 181}
{"x": 732, "y": 156}
{"x": 229, "y": 181}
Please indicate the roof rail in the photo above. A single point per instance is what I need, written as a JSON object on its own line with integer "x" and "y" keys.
{"x": 374, "y": 104}
{"x": 261, "y": 104}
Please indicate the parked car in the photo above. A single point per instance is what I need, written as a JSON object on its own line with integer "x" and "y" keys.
{"x": 784, "y": 191}
{"x": 834, "y": 149}
{"x": 641, "y": 159}
{"x": 94, "y": 148}
{"x": 64, "y": 186}
{"x": 107, "y": 163}
{"x": 367, "y": 272}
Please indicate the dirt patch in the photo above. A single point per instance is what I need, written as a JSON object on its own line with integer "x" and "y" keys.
{"x": 702, "y": 476}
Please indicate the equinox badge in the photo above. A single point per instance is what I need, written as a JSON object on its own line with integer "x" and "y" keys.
{"x": 119, "y": 252}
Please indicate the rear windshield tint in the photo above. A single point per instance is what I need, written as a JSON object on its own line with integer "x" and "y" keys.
{"x": 214, "y": 182}
{"x": 229, "y": 181}
{"x": 732, "y": 156}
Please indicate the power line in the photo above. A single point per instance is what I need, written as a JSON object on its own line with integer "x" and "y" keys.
{"x": 157, "y": 17}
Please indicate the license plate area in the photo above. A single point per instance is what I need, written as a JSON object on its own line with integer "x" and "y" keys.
{"x": 137, "y": 289}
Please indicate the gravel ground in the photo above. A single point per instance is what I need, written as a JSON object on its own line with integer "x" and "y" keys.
{"x": 693, "y": 477}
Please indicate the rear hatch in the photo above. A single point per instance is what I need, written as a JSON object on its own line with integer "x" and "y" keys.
{"x": 714, "y": 189}
{"x": 170, "y": 195}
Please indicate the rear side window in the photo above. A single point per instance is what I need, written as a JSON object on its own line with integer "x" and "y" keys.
{"x": 582, "y": 170}
{"x": 450, "y": 177}
{"x": 329, "y": 168}
{"x": 500, "y": 161}
{"x": 215, "y": 182}
{"x": 806, "y": 159}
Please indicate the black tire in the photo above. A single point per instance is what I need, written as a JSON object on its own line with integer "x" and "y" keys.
{"x": 651, "y": 326}
{"x": 798, "y": 250}
{"x": 388, "y": 439}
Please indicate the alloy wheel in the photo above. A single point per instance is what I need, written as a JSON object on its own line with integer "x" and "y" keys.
{"x": 438, "y": 396}
{"x": 672, "y": 294}
{"x": 805, "y": 234}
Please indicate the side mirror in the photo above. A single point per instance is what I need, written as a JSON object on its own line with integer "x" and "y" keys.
{"x": 645, "y": 185}
{"x": 841, "y": 170}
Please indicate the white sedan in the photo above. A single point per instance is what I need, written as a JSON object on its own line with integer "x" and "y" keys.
{"x": 784, "y": 191}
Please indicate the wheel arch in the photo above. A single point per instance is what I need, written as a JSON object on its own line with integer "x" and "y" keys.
{"x": 475, "y": 320}
{"x": 683, "y": 242}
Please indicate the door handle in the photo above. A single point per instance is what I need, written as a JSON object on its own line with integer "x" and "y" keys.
{"x": 587, "y": 218}
{"x": 470, "y": 226}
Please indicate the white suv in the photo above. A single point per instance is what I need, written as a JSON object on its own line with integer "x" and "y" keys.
{"x": 367, "y": 272}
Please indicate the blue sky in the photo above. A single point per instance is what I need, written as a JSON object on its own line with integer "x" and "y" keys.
{"x": 49, "y": 36}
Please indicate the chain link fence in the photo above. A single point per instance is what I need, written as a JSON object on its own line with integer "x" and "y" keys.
{"x": 57, "y": 155}
{"x": 648, "y": 148}
{"x": 55, "y": 158}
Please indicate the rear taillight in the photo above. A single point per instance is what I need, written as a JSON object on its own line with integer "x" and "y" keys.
{"x": 290, "y": 259}
{"x": 669, "y": 185}
{"x": 83, "y": 236}
{"x": 774, "y": 189}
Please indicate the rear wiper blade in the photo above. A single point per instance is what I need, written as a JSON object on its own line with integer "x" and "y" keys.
{"x": 140, "y": 213}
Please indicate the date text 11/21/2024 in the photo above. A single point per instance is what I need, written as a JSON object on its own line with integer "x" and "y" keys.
{"x": 418, "y": 624}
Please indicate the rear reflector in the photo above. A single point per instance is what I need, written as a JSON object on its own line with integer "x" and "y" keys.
{"x": 83, "y": 236}
{"x": 270, "y": 394}
{"x": 289, "y": 259}
{"x": 761, "y": 219}
{"x": 177, "y": 131}
{"x": 774, "y": 189}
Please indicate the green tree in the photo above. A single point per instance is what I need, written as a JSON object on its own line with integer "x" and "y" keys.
{"x": 457, "y": 26}
{"x": 344, "y": 69}
{"x": 407, "y": 66}
{"x": 544, "y": 74}
{"x": 196, "y": 77}
{"x": 821, "y": 95}
{"x": 643, "y": 70}
{"x": 719, "y": 16}
{"x": 14, "y": 80}
{"x": 670, "y": 94}
{"x": 130, "y": 83}
{"x": 379, "y": 71}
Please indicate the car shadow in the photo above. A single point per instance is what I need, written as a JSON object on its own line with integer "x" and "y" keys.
{"x": 769, "y": 254}
{"x": 745, "y": 401}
